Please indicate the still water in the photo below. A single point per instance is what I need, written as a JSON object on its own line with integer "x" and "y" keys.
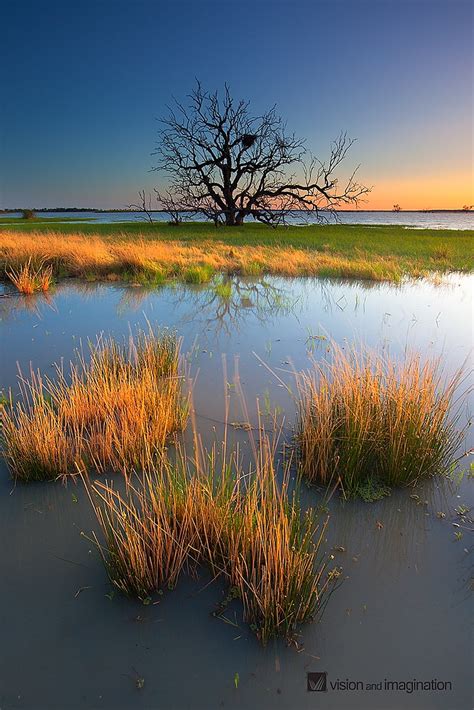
{"x": 403, "y": 611}
{"x": 421, "y": 220}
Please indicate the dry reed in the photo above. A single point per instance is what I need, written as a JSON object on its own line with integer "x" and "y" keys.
{"x": 365, "y": 419}
{"x": 29, "y": 278}
{"x": 109, "y": 412}
{"x": 276, "y": 563}
{"x": 243, "y": 525}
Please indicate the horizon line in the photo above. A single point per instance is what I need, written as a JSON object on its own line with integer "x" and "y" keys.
{"x": 127, "y": 209}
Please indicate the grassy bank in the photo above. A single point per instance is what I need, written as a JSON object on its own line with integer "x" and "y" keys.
{"x": 193, "y": 252}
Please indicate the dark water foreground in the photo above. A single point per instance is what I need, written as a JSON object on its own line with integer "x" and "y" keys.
{"x": 403, "y": 612}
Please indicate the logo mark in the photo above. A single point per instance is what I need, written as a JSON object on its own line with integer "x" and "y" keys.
{"x": 317, "y": 682}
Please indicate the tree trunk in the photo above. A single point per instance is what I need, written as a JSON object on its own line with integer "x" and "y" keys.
{"x": 232, "y": 217}
{"x": 236, "y": 218}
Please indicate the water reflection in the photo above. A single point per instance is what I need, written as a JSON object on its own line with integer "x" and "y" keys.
{"x": 13, "y": 303}
{"x": 225, "y": 305}
{"x": 229, "y": 301}
{"x": 408, "y": 580}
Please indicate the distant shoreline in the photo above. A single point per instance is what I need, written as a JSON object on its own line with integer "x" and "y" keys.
{"x": 126, "y": 211}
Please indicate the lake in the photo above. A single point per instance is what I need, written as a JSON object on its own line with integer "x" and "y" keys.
{"x": 404, "y": 609}
{"x": 421, "y": 220}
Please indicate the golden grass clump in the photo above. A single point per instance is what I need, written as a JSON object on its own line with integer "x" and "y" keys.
{"x": 29, "y": 278}
{"x": 365, "y": 419}
{"x": 38, "y": 444}
{"x": 109, "y": 412}
{"x": 149, "y": 532}
{"x": 276, "y": 565}
{"x": 245, "y": 527}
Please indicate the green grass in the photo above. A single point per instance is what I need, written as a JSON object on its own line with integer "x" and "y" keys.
{"x": 33, "y": 222}
{"x": 415, "y": 251}
{"x": 200, "y": 274}
{"x": 425, "y": 245}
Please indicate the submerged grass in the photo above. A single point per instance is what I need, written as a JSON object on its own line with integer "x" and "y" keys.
{"x": 193, "y": 252}
{"x": 108, "y": 411}
{"x": 243, "y": 525}
{"x": 369, "y": 423}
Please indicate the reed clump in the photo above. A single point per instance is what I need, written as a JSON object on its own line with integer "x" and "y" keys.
{"x": 29, "y": 278}
{"x": 277, "y": 565}
{"x": 366, "y": 421}
{"x": 243, "y": 525}
{"x": 109, "y": 411}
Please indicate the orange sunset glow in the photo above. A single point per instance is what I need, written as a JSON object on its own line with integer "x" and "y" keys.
{"x": 447, "y": 192}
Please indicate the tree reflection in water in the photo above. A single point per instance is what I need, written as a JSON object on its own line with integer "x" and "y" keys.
{"x": 225, "y": 304}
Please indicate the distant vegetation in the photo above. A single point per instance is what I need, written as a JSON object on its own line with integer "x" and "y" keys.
{"x": 62, "y": 209}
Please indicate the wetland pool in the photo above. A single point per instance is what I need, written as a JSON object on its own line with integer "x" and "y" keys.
{"x": 404, "y": 610}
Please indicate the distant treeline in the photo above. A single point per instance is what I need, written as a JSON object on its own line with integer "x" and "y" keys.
{"x": 68, "y": 209}
{"x": 128, "y": 209}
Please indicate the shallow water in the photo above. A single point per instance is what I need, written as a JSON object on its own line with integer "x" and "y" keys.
{"x": 404, "y": 609}
{"x": 421, "y": 220}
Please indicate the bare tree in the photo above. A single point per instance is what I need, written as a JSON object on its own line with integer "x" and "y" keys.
{"x": 169, "y": 204}
{"x": 222, "y": 159}
{"x": 197, "y": 203}
{"x": 397, "y": 208}
{"x": 143, "y": 205}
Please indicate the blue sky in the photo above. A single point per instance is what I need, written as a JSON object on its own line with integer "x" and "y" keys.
{"x": 82, "y": 84}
